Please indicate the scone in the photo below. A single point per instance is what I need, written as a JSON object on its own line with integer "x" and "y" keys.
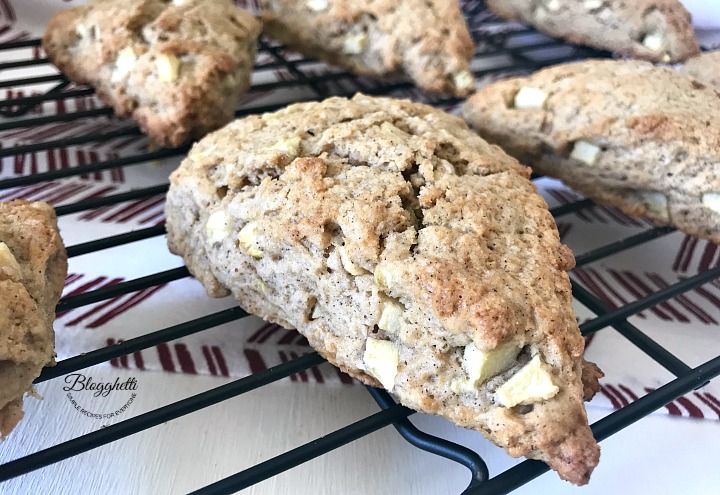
{"x": 409, "y": 252}
{"x": 33, "y": 266}
{"x": 705, "y": 68}
{"x": 177, "y": 68}
{"x": 641, "y": 138}
{"x": 426, "y": 41}
{"x": 656, "y": 30}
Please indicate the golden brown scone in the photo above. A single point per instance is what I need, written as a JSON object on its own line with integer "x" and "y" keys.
{"x": 656, "y": 30}
{"x": 33, "y": 266}
{"x": 705, "y": 68}
{"x": 642, "y": 138}
{"x": 409, "y": 252}
{"x": 424, "y": 40}
{"x": 177, "y": 68}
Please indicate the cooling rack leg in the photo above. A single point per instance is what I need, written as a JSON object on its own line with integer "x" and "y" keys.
{"x": 438, "y": 446}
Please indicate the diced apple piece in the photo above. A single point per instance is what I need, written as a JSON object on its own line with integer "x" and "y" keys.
{"x": 291, "y": 145}
{"x": 656, "y": 204}
{"x": 553, "y": 5}
{"x": 711, "y": 201}
{"x": 124, "y": 63}
{"x": 654, "y": 41}
{"x": 593, "y": 4}
{"x": 480, "y": 365}
{"x": 9, "y": 267}
{"x": 247, "y": 239}
{"x": 318, "y": 5}
{"x": 530, "y": 98}
{"x": 532, "y": 383}
{"x": 391, "y": 318}
{"x": 382, "y": 358}
{"x": 354, "y": 44}
{"x": 463, "y": 79}
{"x": 168, "y": 67}
{"x": 585, "y": 152}
{"x": 384, "y": 277}
{"x": 217, "y": 226}
{"x": 351, "y": 267}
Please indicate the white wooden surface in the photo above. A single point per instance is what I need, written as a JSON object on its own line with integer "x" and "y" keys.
{"x": 658, "y": 455}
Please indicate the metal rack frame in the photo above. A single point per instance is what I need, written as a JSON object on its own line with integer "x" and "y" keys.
{"x": 517, "y": 53}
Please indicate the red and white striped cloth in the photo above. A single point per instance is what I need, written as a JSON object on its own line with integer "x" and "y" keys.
{"x": 687, "y": 325}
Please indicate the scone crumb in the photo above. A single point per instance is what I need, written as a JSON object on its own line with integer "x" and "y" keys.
{"x": 354, "y": 44}
{"x": 533, "y": 383}
{"x": 168, "y": 67}
{"x": 9, "y": 267}
{"x": 711, "y": 201}
{"x": 530, "y": 98}
{"x": 585, "y": 152}
{"x": 382, "y": 358}
{"x": 247, "y": 240}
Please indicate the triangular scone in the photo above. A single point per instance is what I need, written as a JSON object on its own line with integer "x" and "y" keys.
{"x": 642, "y": 138}
{"x": 705, "y": 68}
{"x": 33, "y": 266}
{"x": 425, "y": 40}
{"x": 177, "y": 68}
{"x": 408, "y": 251}
{"x": 656, "y": 30}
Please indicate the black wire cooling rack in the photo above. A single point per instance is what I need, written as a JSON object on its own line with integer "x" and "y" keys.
{"x": 501, "y": 49}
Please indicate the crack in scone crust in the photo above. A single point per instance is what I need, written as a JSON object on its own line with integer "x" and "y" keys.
{"x": 177, "y": 68}
{"x": 645, "y": 139}
{"x": 322, "y": 216}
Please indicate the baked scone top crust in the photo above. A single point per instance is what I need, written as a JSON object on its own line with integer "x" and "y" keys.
{"x": 656, "y": 30}
{"x": 648, "y": 134}
{"x": 332, "y": 211}
{"x": 426, "y": 40}
{"x": 33, "y": 265}
{"x": 176, "y": 67}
